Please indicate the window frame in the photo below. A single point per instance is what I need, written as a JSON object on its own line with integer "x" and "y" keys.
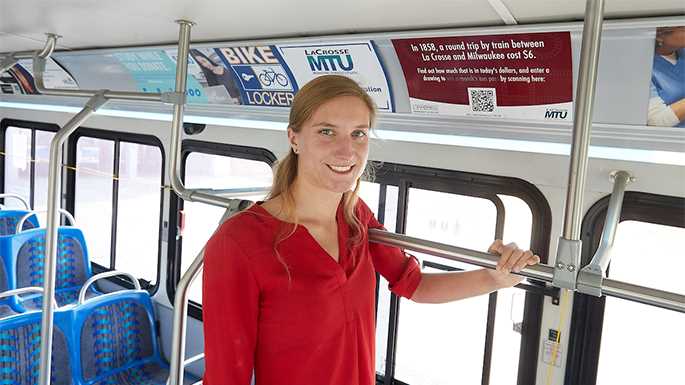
{"x": 28, "y": 125}
{"x": 117, "y": 137}
{"x": 587, "y": 319}
{"x": 487, "y": 187}
{"x": 176, "y": 204}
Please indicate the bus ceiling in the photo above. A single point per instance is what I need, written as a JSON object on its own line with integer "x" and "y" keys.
{"x": 133, "y": 23}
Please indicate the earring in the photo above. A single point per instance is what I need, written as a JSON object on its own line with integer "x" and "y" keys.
{"x": 295, "y": 150}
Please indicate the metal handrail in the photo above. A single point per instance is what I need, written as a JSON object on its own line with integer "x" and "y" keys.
{"x": 642, "y": 294}
{"x": 84, "y": 289}
{"x": 25, "y": 290}
{"x": 16, "y": 196}
{"x": 590, "y": 277}
{"x": 26, "y": 216}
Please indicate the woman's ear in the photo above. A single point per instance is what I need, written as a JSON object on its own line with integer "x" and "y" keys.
{"x": 293, "y": 140}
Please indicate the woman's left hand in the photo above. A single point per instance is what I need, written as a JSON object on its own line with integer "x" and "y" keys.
{"x": 512, "y": 259}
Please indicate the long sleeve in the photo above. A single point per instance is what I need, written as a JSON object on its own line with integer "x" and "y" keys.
{"x": 230, "y": 309}
{"x": 402, "y": 271}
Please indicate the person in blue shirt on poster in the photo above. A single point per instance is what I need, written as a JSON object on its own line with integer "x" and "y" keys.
{"x": 667, "y": 91}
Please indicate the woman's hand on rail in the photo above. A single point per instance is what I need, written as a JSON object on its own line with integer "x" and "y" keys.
{"x": 513, "y": 260}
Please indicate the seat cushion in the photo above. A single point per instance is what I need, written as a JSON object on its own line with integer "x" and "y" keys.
{"x": 148, "y": 374}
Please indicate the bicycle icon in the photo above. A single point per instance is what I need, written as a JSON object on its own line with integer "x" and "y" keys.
{"x": 269, "y": 76}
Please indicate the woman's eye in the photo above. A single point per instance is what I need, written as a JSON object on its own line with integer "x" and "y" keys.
{"x": 359, "y": 134}
{"x": 326, "y": 131}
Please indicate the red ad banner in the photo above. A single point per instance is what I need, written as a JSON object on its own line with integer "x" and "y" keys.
{"x": 520, "y": 76}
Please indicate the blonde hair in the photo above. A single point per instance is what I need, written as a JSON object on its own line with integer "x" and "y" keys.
{"x": 307, "y": 100}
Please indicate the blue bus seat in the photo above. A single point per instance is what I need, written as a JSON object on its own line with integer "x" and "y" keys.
{"x": 10, "y": 218}
{"x": 114, "y": 341}
{"x": 20, "y": 351}
{"x": 25, "y": 264}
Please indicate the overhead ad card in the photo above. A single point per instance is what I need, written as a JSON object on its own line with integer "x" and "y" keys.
{"x": 357, "y": 60}
{"x": 520, "y": 76}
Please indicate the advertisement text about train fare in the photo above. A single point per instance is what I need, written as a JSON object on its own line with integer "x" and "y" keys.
{"x": 524, "y": 76}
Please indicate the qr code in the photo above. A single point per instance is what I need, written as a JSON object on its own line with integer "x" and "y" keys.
{"x": 482, "y": 99}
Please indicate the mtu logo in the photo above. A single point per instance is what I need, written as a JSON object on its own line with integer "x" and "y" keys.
{"x": 556, "y": 114}
{"x": 330, "y": 63}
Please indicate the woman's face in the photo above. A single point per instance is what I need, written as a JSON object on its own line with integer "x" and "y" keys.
{"x": 333, "y": 145}
{"x": 672, "y": 38}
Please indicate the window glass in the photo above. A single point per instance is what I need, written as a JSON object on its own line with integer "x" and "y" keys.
{"x": 643, "y": 344}
{"x": 17, "y": 165}
{"x": 510, "y": 302}
{"x": 93, "y": 195}
{"x": 441, "y": 344}
{"x": 140, "y": 178}
{"x": 201, "y": 220}
{"x": 43, "y": 139}
{"x": 383, "y": 315}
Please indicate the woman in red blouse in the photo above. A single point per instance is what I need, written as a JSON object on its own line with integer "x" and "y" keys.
{"x": 289, "y": 284}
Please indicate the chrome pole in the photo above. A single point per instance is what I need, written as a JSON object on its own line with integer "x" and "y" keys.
{"x": 567, "y": 261}
{"x": 582, "y": 122}
{"x": 54, "y": 187}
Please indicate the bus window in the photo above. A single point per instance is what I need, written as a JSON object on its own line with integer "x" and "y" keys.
{"x": 462, "y": 221}
{"x": 17, "y": 164}
{"x": 518, "y": 224}
{"x": 93, "y": 196}
{"x": 474, "y": 210}
{"x": 630, "y": 351}
{"x": 27, "y": 156}
{"x": 138, "y": 208}
{"x": 204, "y": 170}
{"x": 42, "y": 164}
{"x": 117, "y": 203}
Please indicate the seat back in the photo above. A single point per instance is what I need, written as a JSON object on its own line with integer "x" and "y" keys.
{"x": 10, "y": 218}
{"x": 26, "y": 252}
{"x": 112, "y": 333}
{"x": 20, "y": 351}
{"x": 8, "y": 225}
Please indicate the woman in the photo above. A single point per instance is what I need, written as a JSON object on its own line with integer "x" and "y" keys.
{"x": 667, "y": 100}
{"x": 289, "y": 284}
{"x": 216, "y": 74}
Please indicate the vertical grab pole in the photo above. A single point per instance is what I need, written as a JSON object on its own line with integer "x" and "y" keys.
{"x": 50, "y": 262}
{"x": 178, "y": 340}
{"x": 568, "y": 251}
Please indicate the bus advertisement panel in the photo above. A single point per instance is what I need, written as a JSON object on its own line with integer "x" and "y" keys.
{"x": 263, "y": 76}
{"x": 19, "y": 78}
{"x": 514, "y": 76}
{"x": 357, "y": 60}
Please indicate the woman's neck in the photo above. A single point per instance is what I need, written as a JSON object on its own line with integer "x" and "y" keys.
{"x": 313, "y": 204}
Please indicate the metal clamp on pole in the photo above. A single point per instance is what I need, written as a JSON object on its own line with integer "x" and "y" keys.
{"x": 54, "y": 185}
{"x": 7, "y": 62}
{"x": 591, "y": 276}
{"x": 173, "y": 98}
{"x": 567, "y": 263}
{"x": 11, "y": 59}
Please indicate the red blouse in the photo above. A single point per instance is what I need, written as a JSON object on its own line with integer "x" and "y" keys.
{"x": 317, "y": 329}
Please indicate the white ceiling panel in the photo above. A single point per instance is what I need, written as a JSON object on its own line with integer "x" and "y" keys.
{"x": 535, "y": 11}
{"x": 93, "y": 23}
{"x": 136, "y": 22}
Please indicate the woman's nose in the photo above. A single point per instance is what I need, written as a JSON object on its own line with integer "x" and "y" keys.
{"x": 344, "y": 147}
